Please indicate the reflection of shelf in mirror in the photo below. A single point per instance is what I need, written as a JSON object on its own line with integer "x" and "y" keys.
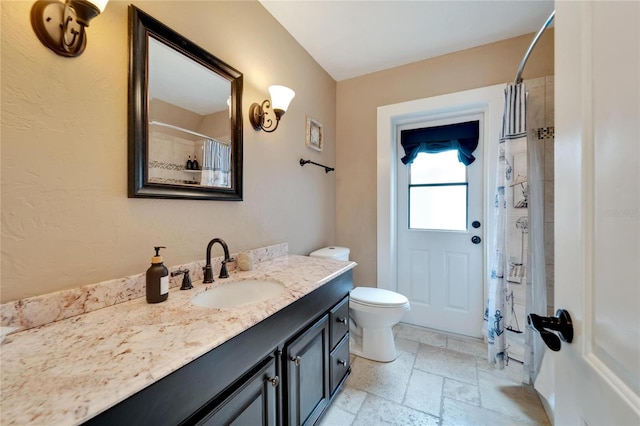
{"x": 191, "y": 132}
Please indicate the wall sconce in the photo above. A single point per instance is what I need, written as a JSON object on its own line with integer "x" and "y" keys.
{"x": 281, "y": 97}
{"x": 61, "y": 26}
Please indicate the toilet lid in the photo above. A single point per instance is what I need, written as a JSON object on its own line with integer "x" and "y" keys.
{"x": 377, "y": 297}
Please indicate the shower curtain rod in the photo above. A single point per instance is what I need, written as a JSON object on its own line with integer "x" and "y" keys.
{"x": 191, "y": 132}
{"x": 530, "y": 49}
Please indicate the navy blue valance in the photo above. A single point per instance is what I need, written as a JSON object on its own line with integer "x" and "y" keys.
{"x": 462, "y": 137}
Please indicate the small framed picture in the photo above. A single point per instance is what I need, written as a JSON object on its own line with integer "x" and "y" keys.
{"x": 314, "y": 134}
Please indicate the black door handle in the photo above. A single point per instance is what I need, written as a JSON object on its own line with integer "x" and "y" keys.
{"x": 560, "y": 323}
{"x": 475, "y": 224}
{"x": 475, "y": 239}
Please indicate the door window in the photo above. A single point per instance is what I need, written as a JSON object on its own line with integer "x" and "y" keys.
{"x": 438, "y": 192}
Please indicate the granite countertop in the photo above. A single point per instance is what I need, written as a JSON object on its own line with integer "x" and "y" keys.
{"x": 68, "y": 371}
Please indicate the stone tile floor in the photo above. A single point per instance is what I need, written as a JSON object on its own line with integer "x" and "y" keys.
{"x": 437, "y": 379}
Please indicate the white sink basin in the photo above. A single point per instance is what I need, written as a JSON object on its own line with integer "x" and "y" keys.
{"x": 238, "y": 293}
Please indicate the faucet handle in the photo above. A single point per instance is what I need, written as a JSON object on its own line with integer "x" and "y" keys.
{"x": 223, "y": 269}
{"x": 186, "y": 279}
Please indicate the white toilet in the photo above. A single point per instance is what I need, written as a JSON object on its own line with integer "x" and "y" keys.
{"x": 373, "y": 312}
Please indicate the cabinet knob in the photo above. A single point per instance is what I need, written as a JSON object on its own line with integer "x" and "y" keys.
{"x": 342, "y": 320}
{"x": 274, "y": 381}
{"x": 296, "y": 360}
{"x": 341, "y": 362}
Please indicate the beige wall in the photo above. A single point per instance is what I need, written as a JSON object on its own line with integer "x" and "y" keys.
{"x": 165, "y": 112}
{"x": 356, "y": 109}
{"x": 66, "y": 218}
{"x": 216, "y": 125}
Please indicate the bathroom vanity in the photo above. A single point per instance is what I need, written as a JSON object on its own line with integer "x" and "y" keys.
{"x": 283, "y": 370}
{"x": 276, "y": 362}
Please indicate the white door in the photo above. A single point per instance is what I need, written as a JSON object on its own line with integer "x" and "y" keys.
{"x": 597, "y": 211}
{"x": 439, "y": 212}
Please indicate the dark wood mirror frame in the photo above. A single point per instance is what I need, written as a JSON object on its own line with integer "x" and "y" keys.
{"x": 141, "y": 27}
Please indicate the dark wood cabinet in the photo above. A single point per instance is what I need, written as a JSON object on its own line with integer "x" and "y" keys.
{"x": 317, "y": 363}
{"x": 307, "y": 380}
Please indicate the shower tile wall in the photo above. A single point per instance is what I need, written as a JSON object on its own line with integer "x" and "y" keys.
{"x": 549, "y": 191}
{"x": 541, "y": 102}
{"x": 168, "y": 155}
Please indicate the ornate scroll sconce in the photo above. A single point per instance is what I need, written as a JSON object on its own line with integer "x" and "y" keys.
{"x": 281, "y": 97}
{"x": 61, "y": 26}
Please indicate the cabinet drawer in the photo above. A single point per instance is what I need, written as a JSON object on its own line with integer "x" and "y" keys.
{"x": 339, "y": 321}
{"x": 339, "y": 362}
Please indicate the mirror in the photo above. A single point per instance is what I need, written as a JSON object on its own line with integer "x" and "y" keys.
{"x": 185, "y": 117}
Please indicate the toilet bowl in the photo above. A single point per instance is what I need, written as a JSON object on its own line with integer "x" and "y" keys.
{"x": 373, "y": 312}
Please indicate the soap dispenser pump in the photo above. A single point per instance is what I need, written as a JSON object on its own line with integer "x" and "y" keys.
{"x": 157, "y": 279}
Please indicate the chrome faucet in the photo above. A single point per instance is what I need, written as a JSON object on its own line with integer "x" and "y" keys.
{"x": 208, "y": 270}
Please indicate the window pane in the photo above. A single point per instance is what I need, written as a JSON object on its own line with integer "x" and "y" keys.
{"x": 438, "y": 207}
{"x": 443, "y": 167}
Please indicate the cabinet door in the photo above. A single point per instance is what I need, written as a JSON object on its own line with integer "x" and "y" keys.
{"x": 254, "y": 403}
{"x": 307, "y": 366}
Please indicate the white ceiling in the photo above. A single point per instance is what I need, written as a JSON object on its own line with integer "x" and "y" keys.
{"x": 353, "y": 38}
{"x": 181, "y": 81}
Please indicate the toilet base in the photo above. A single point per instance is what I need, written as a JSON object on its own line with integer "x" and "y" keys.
{"x": 376, "y": 344}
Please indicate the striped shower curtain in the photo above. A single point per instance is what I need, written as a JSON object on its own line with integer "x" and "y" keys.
{"x": 216, "y": 164}
{"x": 510, "y": 240}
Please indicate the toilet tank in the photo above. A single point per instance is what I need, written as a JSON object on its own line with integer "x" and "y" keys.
{"x": 338, "y": 253}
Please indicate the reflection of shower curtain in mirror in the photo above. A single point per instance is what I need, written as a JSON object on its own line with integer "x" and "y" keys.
{"x": 216, "y": 164}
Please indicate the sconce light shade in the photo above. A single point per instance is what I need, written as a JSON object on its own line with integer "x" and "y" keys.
{"x": 281, "y": 97}
{"x": 100, "y": 4}
{"x": 61, "y": 26}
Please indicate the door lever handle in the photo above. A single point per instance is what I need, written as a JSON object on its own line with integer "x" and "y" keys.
{"x": 560, "y": 323}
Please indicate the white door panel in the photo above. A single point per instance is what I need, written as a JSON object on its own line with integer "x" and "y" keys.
{"x": 440, "y": 272}
{"x": 597, "y": 212}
